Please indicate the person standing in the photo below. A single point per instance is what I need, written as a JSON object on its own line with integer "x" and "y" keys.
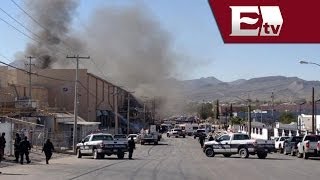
{"x": 2, "y": 145}
{"x": 17, "y": 142}
{"x": 132, "y": 146}
{"x": 211, "y": 138}
{"x": 24, "y": 150}
{"x": 48, "y": 149}
{"x": 201, "y": 139}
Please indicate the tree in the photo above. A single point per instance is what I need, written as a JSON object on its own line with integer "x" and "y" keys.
{"x": 287, "y": 118}
{"x": 205, "y": 110}
{"x": 237, "y": 120}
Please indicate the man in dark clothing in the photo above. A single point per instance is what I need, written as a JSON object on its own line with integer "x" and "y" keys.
{"x": 48, "y": 149}
{"x": 201, "y": 139}
{"x": 17, "y": 142}
{"x": 132, "y": 146}
{"x": 211, "y": 138}
{"x": 24, "y": 150}
{"x": 2, "y": 145}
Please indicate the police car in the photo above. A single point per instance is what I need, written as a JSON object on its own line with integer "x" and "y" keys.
{"x": 238, "y": 143}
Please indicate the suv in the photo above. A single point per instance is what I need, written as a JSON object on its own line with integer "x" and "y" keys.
{"x": 290, "y": 145}
{"x": 99, "y": 145}
{"x": 176, "y": 133}
{"x": 238, "y": 143}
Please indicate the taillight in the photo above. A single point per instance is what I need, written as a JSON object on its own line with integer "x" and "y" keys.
{"x": 318, "y": 145}
{"x": 307, "y": 145}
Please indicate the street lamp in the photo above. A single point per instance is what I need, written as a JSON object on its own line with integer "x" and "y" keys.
{"x": 307, "y": 62}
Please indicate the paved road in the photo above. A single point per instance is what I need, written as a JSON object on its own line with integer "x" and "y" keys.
{"x": 174, "y": 159}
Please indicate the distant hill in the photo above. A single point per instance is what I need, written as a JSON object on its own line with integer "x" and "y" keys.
{"x": 289, "y": 89}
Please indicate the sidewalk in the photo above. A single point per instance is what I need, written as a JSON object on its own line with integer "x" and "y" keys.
{"x": 35, "y": 156}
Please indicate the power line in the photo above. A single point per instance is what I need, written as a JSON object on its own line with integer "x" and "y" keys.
{"x": 19, "y": 30}
{"x": 39, "y": 75}
{"x": 23, "y": 33}
{"x": 37, "y": 22}
{"x": 19, "y": 23}
{"x": 33, "y": 19}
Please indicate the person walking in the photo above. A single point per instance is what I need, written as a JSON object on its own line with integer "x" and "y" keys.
{"x": 48, "y": 149}
{"x": 2, "y": 145}
{"x": 132, "y": 146}
{"x": 24, "y": 150}
{"x": 17, "y": 142}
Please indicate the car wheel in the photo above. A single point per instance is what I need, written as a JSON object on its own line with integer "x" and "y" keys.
{"x": 156, "y": 143}
{"x": 79, "y": 155}
{"x": 226, "y": 155}
{"x": 120, "y": 155}
{"x": 95, "y": 154}
{"x": 142, "y": 143}
{"x": 209, "y": 152}
{"x": 243, "y": 152}
{"x": 262, "y": 155}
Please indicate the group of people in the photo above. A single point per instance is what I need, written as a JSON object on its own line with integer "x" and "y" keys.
{"x": 22, "y": 148}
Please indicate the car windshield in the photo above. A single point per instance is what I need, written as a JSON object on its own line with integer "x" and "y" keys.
{"x": 102, "y": 137}
{"x": 200, "y": 130}
{"x": 297, "y": 139}
{"x": 312, "y": 138}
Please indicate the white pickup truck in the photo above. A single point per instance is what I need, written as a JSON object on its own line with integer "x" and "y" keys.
{"x": 308, "y": 146}
{"x": 100, "y": 144}
{"x": 280, "y": 142}
{"x": 238, "y": 143}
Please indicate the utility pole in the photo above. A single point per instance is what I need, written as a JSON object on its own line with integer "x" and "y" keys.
{"x": 75, "y": 125}
{"x": 249, "y": 118}
{"x": 313, "y": 105}
{"x": 30, "y": 85}
{"x": 116, "y": 123}
{"x": 154, "y": 109}
{"x": 128, "y": 113}
{"x": 272, "y": 96}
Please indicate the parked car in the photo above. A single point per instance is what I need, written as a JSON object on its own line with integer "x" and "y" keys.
{"x": 290, "y": 145}
{"x": 120, "y": 137}
{"x": 198, "y": 132}
{"x": 308, "y": 146}
{"x": 238, "y": 143}
{"x": 176, "y": 133}
{"x": 136, "y": 137}
{"x": 279, "y": 143}
{"x": 98, "y": 145}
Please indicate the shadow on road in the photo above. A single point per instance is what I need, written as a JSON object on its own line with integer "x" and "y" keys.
{"x": 160, "y": 144}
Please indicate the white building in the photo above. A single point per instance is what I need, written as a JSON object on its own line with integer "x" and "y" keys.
{"x": 305, "y": 122}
